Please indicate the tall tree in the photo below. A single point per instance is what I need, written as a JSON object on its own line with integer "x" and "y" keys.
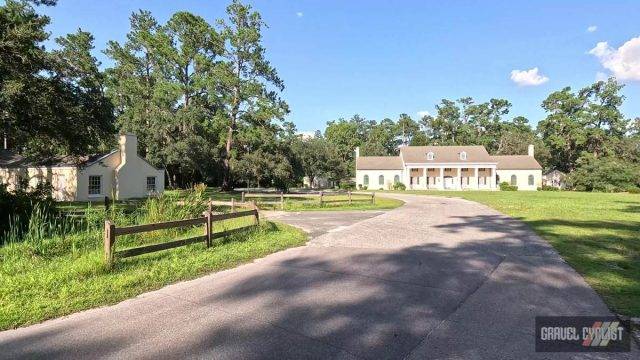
{"x": 42, "y": 93}
{"x": 244, "y": 80}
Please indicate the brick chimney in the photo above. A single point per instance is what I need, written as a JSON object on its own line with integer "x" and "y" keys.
{"x": 531, "y": 151}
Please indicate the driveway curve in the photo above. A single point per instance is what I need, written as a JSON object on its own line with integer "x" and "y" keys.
{"x": 437, "y": 278}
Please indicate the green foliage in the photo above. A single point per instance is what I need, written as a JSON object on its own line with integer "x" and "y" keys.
{"x": 548, "y": 188}
{"x": 587, "y": 121}
{"x": 41, "y": 90}
{"x": 633, "y": 190}
{"x": 399, "y": 186}
{"x": 347, "y": 185}
{"x": 27, "y": 214}
{"x": 505, "y": 186}
{"x": 605, "y": 174}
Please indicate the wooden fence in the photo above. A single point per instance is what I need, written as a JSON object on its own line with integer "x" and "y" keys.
{"x": 111, "y": 232}
{"x": 323, "y": 197}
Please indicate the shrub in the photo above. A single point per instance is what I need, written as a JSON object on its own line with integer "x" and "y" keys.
{"x": 548, "y": 188}
{"x": 347, "y": 185}
{"x": 633, "y": 190}
{"x": 604, "y": 174}
{"x": 364, "y": 187}
{"x": 399, "y": 186}
{"x": 504, "y": 186}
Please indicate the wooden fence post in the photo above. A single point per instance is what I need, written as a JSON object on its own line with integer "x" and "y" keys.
{"x": 321, "y": 194}
{"x": 281, "y": 200}
{"x": 349, "y": 197}
{"x": 208, "y": 225}
{"x": 109, "y": 241}
{"x": 257, "y": 215}
{"x": 242, "y": 198}
{"x": 233, "y": 205}
{"x": 373, "y": 197}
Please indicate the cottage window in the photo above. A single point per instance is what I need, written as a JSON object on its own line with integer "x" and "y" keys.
{"x": 463, "y": 156}
{"x": 396, "y": 179}
{"x": 514, "y": 180}
{"x": 381, "y": 180}
{"x": 366, "y": 179}
{"x": 530, "y": 180}
{"x": 151, "y": 184}
{"x": 95, "y": 184}
{"x": 430, "y": 155}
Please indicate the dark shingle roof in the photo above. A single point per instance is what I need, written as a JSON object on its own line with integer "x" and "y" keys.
{"x": 11, "y": 159}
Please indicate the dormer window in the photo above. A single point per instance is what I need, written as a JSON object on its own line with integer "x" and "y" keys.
{"x": 430, "y": 155}
{"x": 463, "y": 156}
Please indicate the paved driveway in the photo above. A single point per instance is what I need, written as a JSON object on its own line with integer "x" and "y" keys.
{"x": 437, "y": 279}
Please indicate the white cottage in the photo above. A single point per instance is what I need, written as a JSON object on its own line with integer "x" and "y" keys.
{"x": 448, "y": 168}
{"x": 121, "y": 173}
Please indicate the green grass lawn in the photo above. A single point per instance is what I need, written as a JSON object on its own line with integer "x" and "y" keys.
{"x": 332, "y": 202}
{"x": 56, "y": 277}
{"x": 596, "y": 233}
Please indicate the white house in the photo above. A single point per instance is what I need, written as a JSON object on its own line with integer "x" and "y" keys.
{"x": 448, "y": 168}
{"x": 121, "y": 173}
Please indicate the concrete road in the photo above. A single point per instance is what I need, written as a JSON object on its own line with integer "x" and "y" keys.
{"x": 434, "y": 279}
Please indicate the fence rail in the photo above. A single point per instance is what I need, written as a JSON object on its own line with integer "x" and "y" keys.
{"x": 321, "y": 195}
{"x": 111, "y": 232}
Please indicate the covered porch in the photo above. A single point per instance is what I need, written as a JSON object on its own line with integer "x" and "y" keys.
{"x": 449, "y": 177}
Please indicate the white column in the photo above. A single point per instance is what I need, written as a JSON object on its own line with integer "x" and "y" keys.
{"x": 458, "y": 178}
{"x": 441, "y": 178}
{"x": 476, "y": 180}
{"x": 424, "y": 183}
{"x": 492, "y": 180}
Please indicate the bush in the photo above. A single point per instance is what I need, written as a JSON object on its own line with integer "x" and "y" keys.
{"x": 548, "y": 188}
{"x": 633, "y": 190}
{"x": 504, "y": 186}
{"x": 347, "y": 185}
{"x": 399, "y": 186}
{"x": 604, "y": 174}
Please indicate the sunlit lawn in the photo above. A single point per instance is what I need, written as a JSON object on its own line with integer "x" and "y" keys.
{"x": 597, "y": 233}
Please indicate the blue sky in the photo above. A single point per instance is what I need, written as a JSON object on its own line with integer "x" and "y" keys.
{"x": 382, "y": 58}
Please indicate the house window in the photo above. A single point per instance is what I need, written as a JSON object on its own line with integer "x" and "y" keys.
{"x": 530, "y": 180}
{"x": 151, "y": 184}
{"x": 430, "y": 155}
{"x": 463, "y": 156}
{"x": 95, "y": 184}
{"x": 514, "y": 180}
{"x": 381, "y": 180}
{"x": 396, "y": 179}
{"x": 366, "y": 179}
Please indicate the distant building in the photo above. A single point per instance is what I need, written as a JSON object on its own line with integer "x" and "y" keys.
{"x": 121, "y": 172}
{"x": 448, "y": 168}
{"x": 555, "y": 178}
{"x": 319, "y": 182}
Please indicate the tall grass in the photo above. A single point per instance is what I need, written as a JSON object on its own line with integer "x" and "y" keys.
{"x": 51, "y": 233}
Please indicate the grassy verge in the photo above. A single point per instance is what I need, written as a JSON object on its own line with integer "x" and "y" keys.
{"x": 597, "y": 233}
{"x": 53, "y": 270}
{"x": 35, "y": 288}
{"x": 306, "y": 203}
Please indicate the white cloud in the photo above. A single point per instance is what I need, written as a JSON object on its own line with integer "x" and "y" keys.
{"x": 601, "y": 76}
{"x": 299, "y": 14}
{"x": 529, "y": 77}
{"x": 422, "y": 113}
{"x": 592, "y": 28}
{"x": 623, "y": 62}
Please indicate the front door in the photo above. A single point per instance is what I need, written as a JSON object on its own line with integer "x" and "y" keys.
{"x": 448, "y": 182}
